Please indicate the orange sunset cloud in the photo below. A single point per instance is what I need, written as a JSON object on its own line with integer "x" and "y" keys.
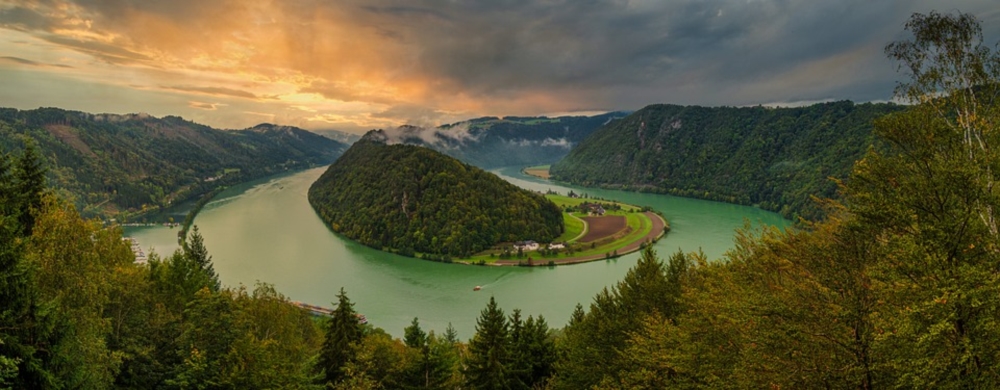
{"x": 356, "y": 65}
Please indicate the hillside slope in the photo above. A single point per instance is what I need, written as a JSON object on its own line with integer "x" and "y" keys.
{"x": 118, "y": 163}
{"x": 772, "y": 157}
{"x": 412, "y": 199}
{"x": 491, "y": 142}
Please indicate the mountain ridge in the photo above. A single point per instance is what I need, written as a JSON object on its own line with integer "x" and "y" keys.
{"x": 774, "y": 158}
{"x": 123, "y": 164}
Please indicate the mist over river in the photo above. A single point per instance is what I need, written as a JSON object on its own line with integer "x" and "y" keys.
{"x": 266, "y": 231}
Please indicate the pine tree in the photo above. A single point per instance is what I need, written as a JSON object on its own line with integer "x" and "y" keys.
{"x": 486, "y": 366}
{"x": 195, "y": 250}
{"x": 19, "y": 314}
{"x": 28, "y": 187}
{"x": 342, "y": 334}
{"x": 451, "y": 335}
{"x": 519, "y": 366}
{"x": 413, "y": 336}
{"x": 25, "y": 329}
{"x": 540, "y": 349}
{"x": 434, "y": 361}
{"x": 7, "y": 194}
{"x": 590, "y": 340}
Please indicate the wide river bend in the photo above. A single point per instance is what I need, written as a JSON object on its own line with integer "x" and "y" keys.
{"x": 266, "y": 231}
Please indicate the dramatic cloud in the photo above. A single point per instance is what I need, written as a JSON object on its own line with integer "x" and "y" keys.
{"x": 206, "y": 106}
{"x": 359, "y": 64}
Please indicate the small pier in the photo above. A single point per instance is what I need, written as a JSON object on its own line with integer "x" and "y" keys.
{"x": 320, "y": 311}
{"x": 140, "y": 256}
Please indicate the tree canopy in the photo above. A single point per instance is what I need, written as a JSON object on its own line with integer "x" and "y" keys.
{"x": 777, "y": 158}
{"x": 413, "y": 199}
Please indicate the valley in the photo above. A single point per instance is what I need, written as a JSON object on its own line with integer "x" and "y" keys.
{"x": 547, "y": 195}
{"x": 266, "y": 230}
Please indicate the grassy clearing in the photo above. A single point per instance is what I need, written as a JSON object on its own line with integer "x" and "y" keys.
{"x": 639, "y": 223}
{"x": 562, "y": 201}
{"x": 575, "y": 227}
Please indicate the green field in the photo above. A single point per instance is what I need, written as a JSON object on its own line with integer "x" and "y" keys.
{"x": 562, "y": 201}
{"x": 639, "y": 223}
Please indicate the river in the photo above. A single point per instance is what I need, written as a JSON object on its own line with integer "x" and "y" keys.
{"x": 266, "y": 231}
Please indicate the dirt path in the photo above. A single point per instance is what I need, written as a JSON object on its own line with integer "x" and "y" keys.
{"x": 582, "y": 233}
{"x": 658, "y": 225}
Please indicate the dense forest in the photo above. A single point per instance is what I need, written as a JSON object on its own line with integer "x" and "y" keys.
{"x": 492, "y": 142}
{"x": 896, "y": 288}
{"x": 412, "y": 199}
{"x": 110, "y": 164}
{"x": 776, "y": 158}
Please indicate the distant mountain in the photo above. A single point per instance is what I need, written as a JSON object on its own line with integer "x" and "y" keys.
{"x": 412, "y": 199}
{"x": 492, "y": 142}
{"x": 124, "y": 163}
{"x": 339, "y": 136}
{"x": 775, "y": 158}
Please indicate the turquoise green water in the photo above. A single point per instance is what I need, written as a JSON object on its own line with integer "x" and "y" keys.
{"x": 266, "y": 231}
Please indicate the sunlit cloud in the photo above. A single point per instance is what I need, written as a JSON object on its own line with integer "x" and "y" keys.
{"x": 362, "y": 64}
{"x": 206, "y": 106}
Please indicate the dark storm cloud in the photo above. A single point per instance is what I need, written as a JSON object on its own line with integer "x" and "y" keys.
{"x": 615, "y": 48}
{"x": 430, "y": 60}
{"x": 20, "y": 18}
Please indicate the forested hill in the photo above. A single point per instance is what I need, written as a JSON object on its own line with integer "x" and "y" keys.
{"x": 413, "y": 199}
{"x": 772, "y": 157}
{"x": 491, "y": 142}
{"x": 113, "y": 163}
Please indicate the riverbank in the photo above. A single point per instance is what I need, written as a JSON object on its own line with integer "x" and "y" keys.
{"x": 539, "y": 171}
{"x": 189, "y": 218}
{"x": 267, "y": 231}
{"x": 659, "y": 230}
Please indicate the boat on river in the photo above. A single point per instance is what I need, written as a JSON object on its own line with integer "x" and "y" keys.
{"x": 477, "y": 288}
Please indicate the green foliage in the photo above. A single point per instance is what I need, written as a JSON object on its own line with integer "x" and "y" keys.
{"x": 533, "y": 351}
{"x": 410, "y": 199}
{"x": 195, "y": 251}
{"x": 777, "y": 158}
{"x": 29, "y": 183}
{"x": 932, "y": 203}
{"x": 591, "y": 343}
{"x": 112, "y": 164}
{"x": 896, "y": 289}
{"x": 235, "y": 340}
{"x": 413, "y": 336}
{"x": 432, "y": 362}
{"x": 27, "y": 333}
{"x": 343, "y": 333}
{"x": 514, "y": 354}
{"x": 74, "y": 259}
{"x": 486, "y": 366}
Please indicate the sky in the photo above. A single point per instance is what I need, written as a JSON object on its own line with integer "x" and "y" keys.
{"x": 354, "y": 65}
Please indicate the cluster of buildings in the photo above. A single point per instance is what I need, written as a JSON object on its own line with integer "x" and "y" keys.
{"x": 527, "y": 246}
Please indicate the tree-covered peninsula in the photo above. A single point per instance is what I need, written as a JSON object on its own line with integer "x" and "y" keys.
{"x": 412, "y": 199}
{"x": 777, "y": 158}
